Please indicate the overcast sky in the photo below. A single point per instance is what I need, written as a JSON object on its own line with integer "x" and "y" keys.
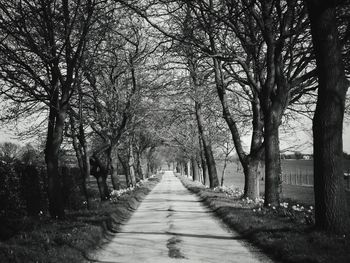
{"x": 301, "y": 140}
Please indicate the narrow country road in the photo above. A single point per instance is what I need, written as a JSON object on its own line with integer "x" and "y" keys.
{"x": 171, "y": 225}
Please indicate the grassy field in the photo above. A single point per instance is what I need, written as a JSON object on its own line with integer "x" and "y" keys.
{"x": 297, "y": 183}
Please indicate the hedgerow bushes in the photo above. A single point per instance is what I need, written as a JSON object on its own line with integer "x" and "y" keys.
{"x": 23, "y": 193}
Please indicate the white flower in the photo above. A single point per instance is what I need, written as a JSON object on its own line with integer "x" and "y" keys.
{"x": 284, "y": 204}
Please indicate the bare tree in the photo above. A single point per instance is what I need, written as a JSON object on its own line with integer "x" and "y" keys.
{"x": 116, "y": 81}
{"x": 270, "y": 60}
{"x": 41, "y": 52}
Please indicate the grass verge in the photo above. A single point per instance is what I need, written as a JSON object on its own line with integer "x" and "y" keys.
{"x": 71, "y": 240}
{"x": 285, "y": 233}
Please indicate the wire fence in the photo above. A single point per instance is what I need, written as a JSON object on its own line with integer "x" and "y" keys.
{"x": 305, "y": 178}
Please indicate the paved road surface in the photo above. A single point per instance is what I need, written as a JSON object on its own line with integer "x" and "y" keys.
{"x": 171, "y": 225}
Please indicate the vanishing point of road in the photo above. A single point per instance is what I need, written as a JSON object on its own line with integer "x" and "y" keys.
{"x": 171, "y": 225}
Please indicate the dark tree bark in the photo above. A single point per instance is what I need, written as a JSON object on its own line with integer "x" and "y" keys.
{"x": 149, "y": 161}
{"x": 131, "y": 165}
{"x": 273, "y": 172}
{"x": 177, "y": 167}
{"x": 100, "y": 171}
{"x": 103, "y": 187}
{"x": 114, "y": 169}
{"x": 204, "y": 165}
{"x": 195, "y": 173}
{"x": 52, "y": 149}
{"x": 85, "y": 174}
{"x": 139, "y": 172}
{"x": 208, "y": 153}
{"x": 100, "y": 163}
{"x": 125, "y": 169}
{"x": 330, "y": 200}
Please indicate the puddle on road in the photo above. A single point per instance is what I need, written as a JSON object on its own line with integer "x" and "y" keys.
{"x": 174, "y": 241}
{"x": 172, "y": 245}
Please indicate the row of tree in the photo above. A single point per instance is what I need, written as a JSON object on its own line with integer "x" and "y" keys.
{"x": 115, "y": 79}
{"x": 267, "y": 58}
{"x": 81, "y": 67}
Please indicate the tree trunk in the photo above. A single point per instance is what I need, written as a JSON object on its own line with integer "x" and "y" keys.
{"x": 182, "y": 169}
{"x": 203, "y": 162}
{"x": 205, "y": 170}
{"x": 253, "y": 160}
{"x": 53, "y": 143}
{"x": 131, "y": 164}
{"x": 195, "y": 174}
{"x": 210, "y": 161}
{"x": 114, "y": 169}
{"x": 126, "y": 170}
{"x": 56, "y": 204}
{"x": 149, "y": 161}
{"x": 99, "y": 169}
{"x": 139, "y": 172}
{"x": 103, "y": 187}
{"x": 85, "y": 174}
{"x": 330, "y": 200}
{"x": 152, "y": 168}
{"x": 273, "y": 173}
{"x": 251, "y": 179}
{"x": 223, "y": 172}
{"x": 177, "y": 167}
{"x": 127, "y": 177}
{"x": 132, "y": 175}
{"x": 203, "y": 133}
{"x": 213, "y": 177}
